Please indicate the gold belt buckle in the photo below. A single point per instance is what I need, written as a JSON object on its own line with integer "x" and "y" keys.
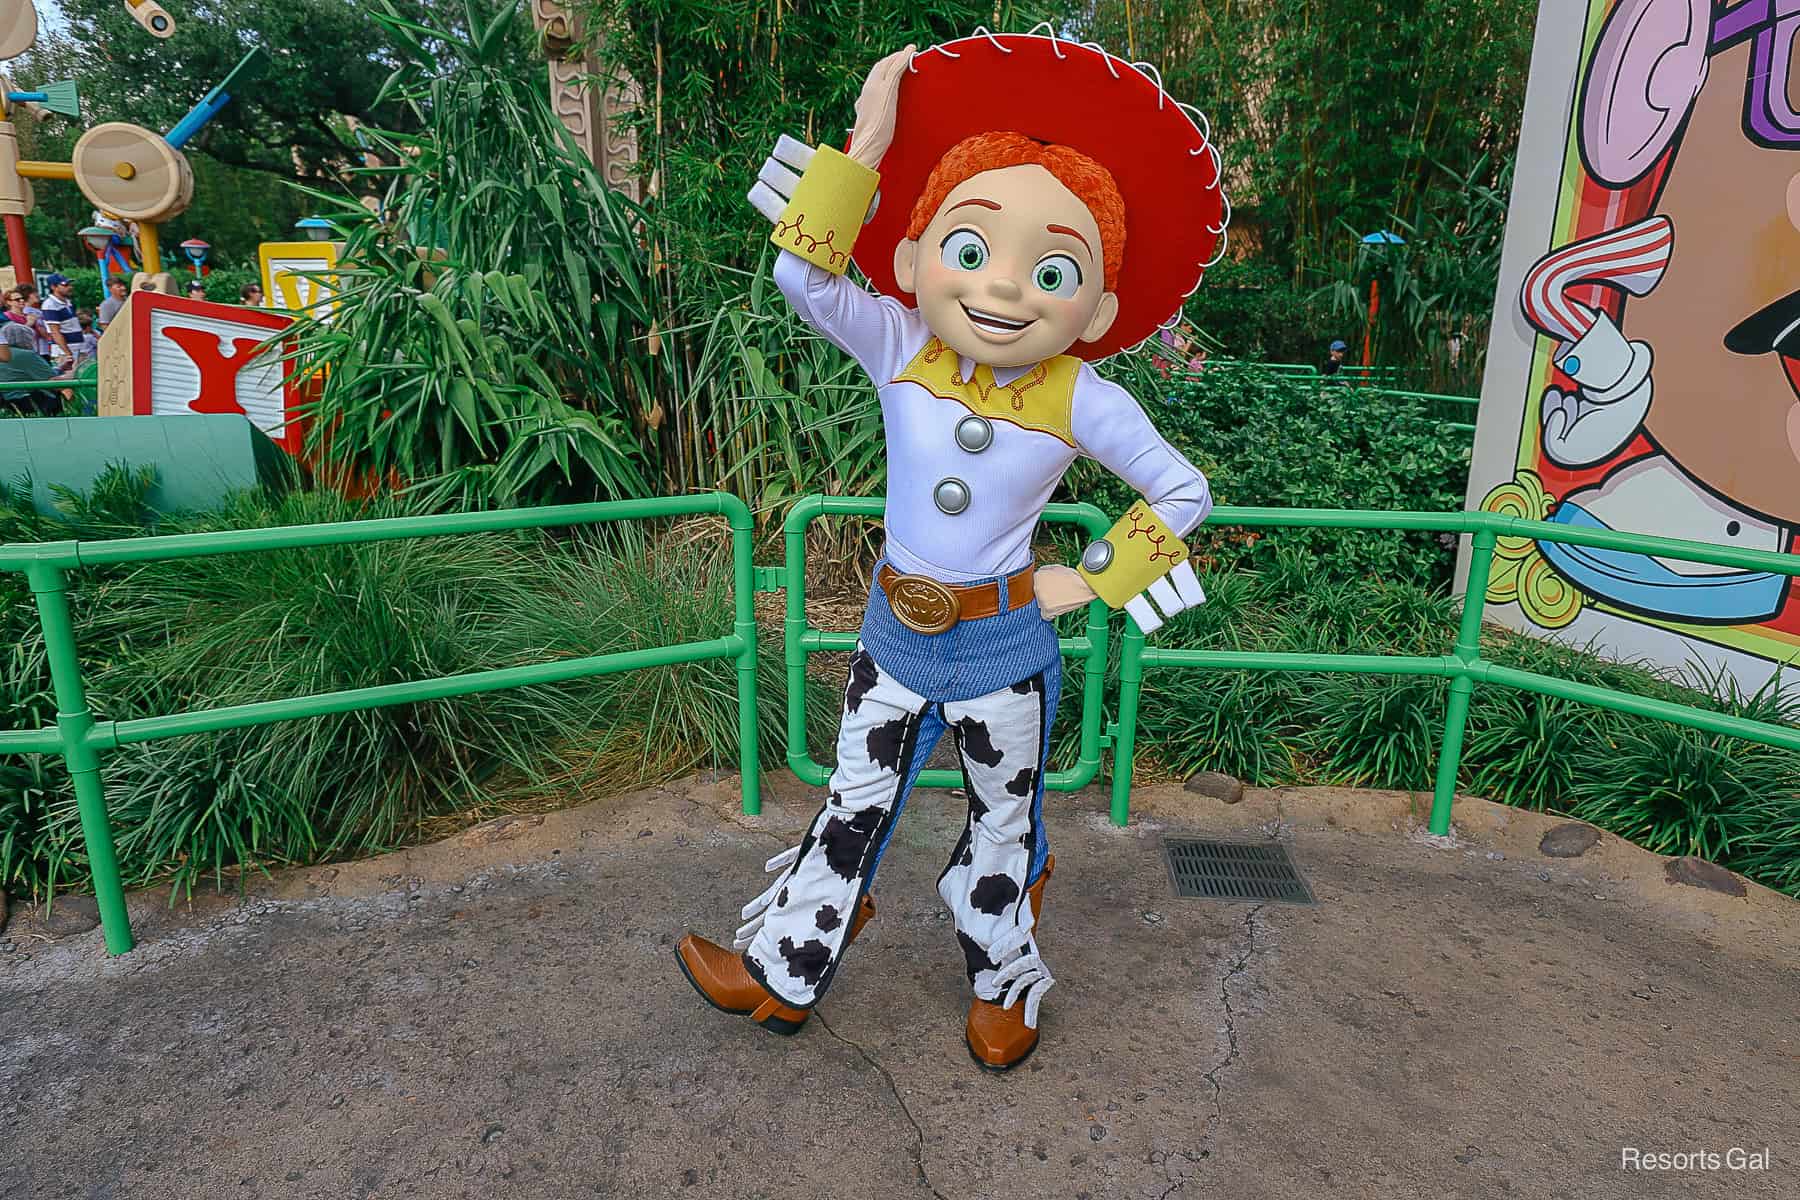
{"x": 923, "y": 604}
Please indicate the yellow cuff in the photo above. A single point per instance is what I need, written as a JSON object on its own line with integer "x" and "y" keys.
{"x": 1137, "y": 551}
{"x": 821, "y": 222}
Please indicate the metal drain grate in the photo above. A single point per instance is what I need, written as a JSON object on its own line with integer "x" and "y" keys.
{"x": 1234, "y": 871}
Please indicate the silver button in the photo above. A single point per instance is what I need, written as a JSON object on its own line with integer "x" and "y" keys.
{"x": 1098, "y": 556}
{"x": 951, "y": 495}
{"x": 974, "y": 433}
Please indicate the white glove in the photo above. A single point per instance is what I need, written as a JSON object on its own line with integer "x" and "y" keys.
{"x": 774, "y": 185}
{"x": 1177, "y": 590}
{"x": 1613, "y": 391}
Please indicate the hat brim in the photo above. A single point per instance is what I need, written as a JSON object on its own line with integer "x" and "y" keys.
{"x": 1078, "y": 96}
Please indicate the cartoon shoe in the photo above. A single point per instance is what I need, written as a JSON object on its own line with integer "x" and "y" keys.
{"x": 721, "y": 978}
{"x": 1659, "y": 587}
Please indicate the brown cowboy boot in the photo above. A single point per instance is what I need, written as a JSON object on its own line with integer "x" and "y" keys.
{"x": 721, "y": 978}
{"x": 999, "y": 1039}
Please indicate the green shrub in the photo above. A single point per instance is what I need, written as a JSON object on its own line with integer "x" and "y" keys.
{"x": 1676, "y": 790}
{"x": 167, "y": 637}
{"x": 1265, "y": 439}
{"x": 1528, "y": 750}
{"x": 1250, "y": 309}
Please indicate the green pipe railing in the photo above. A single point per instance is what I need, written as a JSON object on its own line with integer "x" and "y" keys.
{"x": 1463, "y": 666}
{"x": 80, "y": 737}
{"x": 89, "y": 385}
{"x": 801, "y": 639}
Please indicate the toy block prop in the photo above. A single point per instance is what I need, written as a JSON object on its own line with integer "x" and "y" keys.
{"x": 295, "y": 276}
{"x": 198, "y": 461}
{"x": 171, "y": 356}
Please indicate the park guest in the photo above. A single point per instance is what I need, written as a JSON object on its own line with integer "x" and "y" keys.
{"x": 1334, "y": 359}
{"x": 61, "y": 322}
{"x": 196, "y": 290}
{"x": 34, "y": 317}
{"x": 20, "y": 362}
{"x": 118, "y": 289}
{"x": 251, "y": 294}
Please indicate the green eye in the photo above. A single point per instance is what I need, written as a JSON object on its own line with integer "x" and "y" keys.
{"x": 965, "y": 251}
{"x": 1058, "y": 275}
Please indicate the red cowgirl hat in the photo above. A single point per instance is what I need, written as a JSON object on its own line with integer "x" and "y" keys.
{"x": 1159, "y": 152}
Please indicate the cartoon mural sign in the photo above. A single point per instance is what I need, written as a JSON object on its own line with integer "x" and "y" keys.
{"x": 1644, "y": 372}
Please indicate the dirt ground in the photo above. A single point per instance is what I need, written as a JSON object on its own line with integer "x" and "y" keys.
{"x": 500, "y": 1015}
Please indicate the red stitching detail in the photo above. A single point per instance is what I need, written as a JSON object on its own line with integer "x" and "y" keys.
{"x": 1149, "y": 531}
{"x": 797, "y": 229}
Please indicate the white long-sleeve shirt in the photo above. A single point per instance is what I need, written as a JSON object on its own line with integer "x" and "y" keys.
{"x": 1008, "y": 480}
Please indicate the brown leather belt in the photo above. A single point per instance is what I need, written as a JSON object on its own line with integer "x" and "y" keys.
{"x": 924, "y": 605}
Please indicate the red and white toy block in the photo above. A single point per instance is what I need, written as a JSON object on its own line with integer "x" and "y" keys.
{"x": 169, "y": 355}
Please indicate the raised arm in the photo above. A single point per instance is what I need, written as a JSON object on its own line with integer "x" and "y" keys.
{"x": 818, "y": 200}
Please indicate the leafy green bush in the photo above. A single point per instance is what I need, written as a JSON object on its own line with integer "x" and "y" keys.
{"x": 1265, "y": 439}
{"x": 1251, "y": 309}
{"x": 203, "y": 633}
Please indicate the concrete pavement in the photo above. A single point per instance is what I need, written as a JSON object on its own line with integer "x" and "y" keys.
{"x": 500, "y": 1015}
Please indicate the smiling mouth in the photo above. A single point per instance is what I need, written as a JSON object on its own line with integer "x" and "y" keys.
{"x": 987, "y": 322}
{"x": 1773, "y": 329}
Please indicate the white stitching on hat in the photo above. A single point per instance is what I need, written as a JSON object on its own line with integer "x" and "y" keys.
{"x": 982, "y": 31}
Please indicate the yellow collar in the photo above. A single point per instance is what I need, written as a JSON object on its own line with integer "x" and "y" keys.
{"x": 1041, "y": 399}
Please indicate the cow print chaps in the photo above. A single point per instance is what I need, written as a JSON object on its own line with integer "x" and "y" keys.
{"x": 796, "y": 930}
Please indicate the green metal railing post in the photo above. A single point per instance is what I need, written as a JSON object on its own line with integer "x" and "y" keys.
{"x": 74, "y": 721}
{"x": 1087, "y": 760}
{"x": 1131, "y": 675}
{"x": 743, "y": 570}
{"x": 793, "y": 536}
{"x": 1462, "y": 684}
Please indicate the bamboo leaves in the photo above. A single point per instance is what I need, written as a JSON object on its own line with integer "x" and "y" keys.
{"x": 490, "y": 309}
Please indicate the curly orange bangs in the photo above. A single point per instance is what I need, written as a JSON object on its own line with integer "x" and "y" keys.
{"x": 1092, "y": 184}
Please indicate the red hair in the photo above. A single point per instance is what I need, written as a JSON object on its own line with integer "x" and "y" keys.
{"x": 1092, "y": 184}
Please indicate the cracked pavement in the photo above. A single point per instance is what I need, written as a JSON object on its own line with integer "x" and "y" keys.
{"x": 500, "y": 1015}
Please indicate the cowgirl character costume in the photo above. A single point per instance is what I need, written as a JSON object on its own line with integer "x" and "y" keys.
{"x": 1042, "y": 205}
